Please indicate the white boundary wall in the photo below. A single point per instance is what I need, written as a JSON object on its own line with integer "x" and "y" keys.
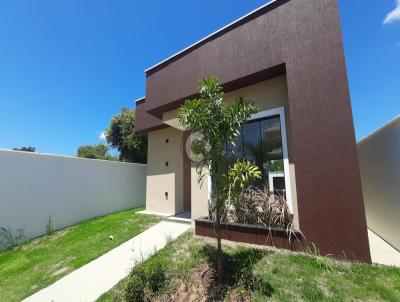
{"x": 70, "y": 190}
{"x": 379, "y": 155}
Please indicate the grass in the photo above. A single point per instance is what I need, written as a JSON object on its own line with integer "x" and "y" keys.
{"x": 27, "y": 268}
{"x": 176, "y": 258}
{"x": 261, "y": 275}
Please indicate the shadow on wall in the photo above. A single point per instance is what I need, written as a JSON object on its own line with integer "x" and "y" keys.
{"x": 34, "y": 187}
{"x": 379, "y": 156}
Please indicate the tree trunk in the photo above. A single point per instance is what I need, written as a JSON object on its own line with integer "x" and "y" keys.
{"x": 219, "y": 248}
{"x": 217, "y": 221}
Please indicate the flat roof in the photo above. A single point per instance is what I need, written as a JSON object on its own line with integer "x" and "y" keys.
{"x": 140, "y": 100}
{"x": 227, "y": 27}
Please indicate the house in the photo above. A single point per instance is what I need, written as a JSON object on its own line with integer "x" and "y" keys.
{"x": 288, "y": 56}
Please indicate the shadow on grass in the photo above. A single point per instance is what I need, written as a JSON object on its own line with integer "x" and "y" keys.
{"x": 237, "y": 272}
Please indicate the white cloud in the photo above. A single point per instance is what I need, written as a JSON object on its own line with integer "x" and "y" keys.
{"x": 394, "y": 15}
{"x": 103, "y": 136}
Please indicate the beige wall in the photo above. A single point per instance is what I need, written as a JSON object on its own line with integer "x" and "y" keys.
{"x": 35, "y": 186}
{"x": 268, "y": 95}
{"x": 162, "y": 178}
{"x": 199, "y": 195}
{"x": 379, "y": 156}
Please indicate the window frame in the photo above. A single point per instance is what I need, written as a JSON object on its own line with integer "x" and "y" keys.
{"x": 279, "y": 111}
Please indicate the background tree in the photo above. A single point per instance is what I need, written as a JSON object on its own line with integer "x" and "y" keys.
{"x": 121, "y": 134}
{"x": 99, "y": 151}
{"x": 216, "y": 124}
{"x": 26, "y": 149}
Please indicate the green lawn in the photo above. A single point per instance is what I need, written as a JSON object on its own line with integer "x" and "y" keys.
{"x": 260, "y": 275}
{"x": 40, "y": 262}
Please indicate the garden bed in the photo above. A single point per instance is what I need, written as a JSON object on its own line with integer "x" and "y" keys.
{"x": 254, "y": 234}
{"x": 258, "y": 275}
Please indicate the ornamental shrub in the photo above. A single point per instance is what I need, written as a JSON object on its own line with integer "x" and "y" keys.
{"x": 134, "y": 289}
{"x": 156, "y": 277}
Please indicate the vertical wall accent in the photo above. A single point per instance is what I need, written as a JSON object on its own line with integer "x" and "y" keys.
{"x": 34, "y": 186}
{"x": 199, "y": 195}
{"x": 187, "y": 198}
{"x": 162, "y": 178}
{"x": 330, "y": 201}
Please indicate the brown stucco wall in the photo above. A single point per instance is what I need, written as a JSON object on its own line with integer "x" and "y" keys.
{"x": 304, "y": 37}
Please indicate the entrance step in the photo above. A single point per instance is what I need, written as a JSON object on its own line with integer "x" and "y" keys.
{"x": 184, "y": 217}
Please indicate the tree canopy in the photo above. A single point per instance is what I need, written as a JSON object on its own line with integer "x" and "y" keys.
{"x": 121, "y": 134}
{"x": 26, "y": 149}
{"x": 99, "y": 151}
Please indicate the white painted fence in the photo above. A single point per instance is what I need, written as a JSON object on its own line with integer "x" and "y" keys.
{"x": 379, "y": 156}
{"x": 35, "y": 186}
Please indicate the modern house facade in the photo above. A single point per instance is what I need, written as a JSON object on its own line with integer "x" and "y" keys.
{"x": 287, "y": 56}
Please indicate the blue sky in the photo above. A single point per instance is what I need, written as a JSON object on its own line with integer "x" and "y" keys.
{"x": 67, "y": 66}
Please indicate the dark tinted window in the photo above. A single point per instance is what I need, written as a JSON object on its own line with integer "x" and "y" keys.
{"x": 260, "y": 142}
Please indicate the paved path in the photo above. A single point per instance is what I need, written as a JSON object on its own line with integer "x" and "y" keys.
{"x": 97, "y": 277}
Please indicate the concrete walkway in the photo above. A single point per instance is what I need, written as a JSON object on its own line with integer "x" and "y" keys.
{"x": 99, "y": 276}
{"x": 382, "y": 252}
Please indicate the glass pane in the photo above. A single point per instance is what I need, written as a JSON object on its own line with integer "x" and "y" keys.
{"x": 234, "y": 151}
{"x": 260, "y": 142}
{"x": 273, "y": 155}
{"x": 252, "y": 146}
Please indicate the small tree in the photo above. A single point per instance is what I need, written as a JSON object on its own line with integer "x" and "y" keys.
{"x": 217, "y": 124}
{"x": 99, "y": 151}
{"x": 121, "y": 134}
